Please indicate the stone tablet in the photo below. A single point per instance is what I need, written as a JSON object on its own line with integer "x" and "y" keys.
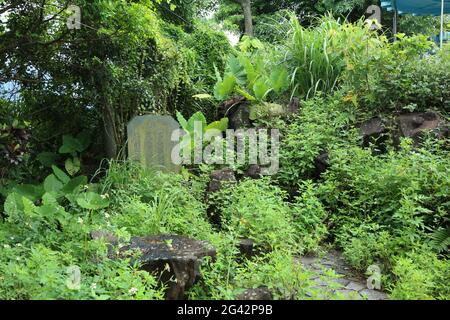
{"x": 149, "y": 141}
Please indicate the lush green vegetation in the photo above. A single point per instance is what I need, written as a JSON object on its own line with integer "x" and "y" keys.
{"x": 64, "y": 173}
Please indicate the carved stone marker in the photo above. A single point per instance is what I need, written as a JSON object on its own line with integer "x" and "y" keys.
{"x": 149, "y": 141}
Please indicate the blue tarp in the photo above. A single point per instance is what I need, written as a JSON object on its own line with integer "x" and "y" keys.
{"x": 418, "y": 7}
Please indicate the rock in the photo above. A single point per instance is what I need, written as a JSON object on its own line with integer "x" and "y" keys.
{"x": 321, "y": 164}
{"x": 174, "y": 257}
{"x": 294, "y": 105}
{"x": 253, "y": 171}
{"x": 219, "y": 177}
{"x": 110, "y": 239}
{"x": 229, "y": 106}
{"x": 261, "y": 293}
{"x": 105, "y": 235}
{"x": 240, "y": 119}
{"x": 355, "y": 286}
{"x": 247, "y": 248}
{"x": 373, "y": 294}
{"x": 374, "y": 132}
{"x": 413, "y": 125}
{"x": 238, "y": 112}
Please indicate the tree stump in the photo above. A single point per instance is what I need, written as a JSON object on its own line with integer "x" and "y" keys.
{"x": 175, "y": 257}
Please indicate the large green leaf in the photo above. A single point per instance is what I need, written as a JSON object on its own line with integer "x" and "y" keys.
{"x": 71, "y": 145}
{"x": 250, "y": 70}
{"x": 223, "y": 89}
{"x": 279, "y": 79}
{"x": 74, "y": 184}
{"x": 92, "y": 201}
{"x": 84, "y": 140}
{"x": 235, "y": 67}
{"x": 261, "y": 89}
{"x": 199, "y": 118}
{"x": 245, "y": 94}
{"x": 64, "y": 178}
{"x": 220, "y": 125}
{"x": 52, "y": 184}
{"x": 13, "y": 204}
{"x": 182, "y": 121}
{"x": 47, "y": 159}
{"x": 72, "y": 165}
{"x": 30, "y": 191}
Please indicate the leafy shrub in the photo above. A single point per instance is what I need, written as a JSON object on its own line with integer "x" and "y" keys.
{"x": 384, "y": 207}
{"x": 42, "y": 273}
{"x": 421, "y": 275}
{"x": 204, "y": 49}
{"x": 255, "y": 209}
{"x": 148, "y": 202}
{"x": 366, "y": 243}
{"x": 45, "y": 234}
{"x": 283, "y": 276}
{"x": 400, "y": 77}
{"x": 309, "y": 217}
{"x": 405, "y": 191}
{"x": 323, "y": 123}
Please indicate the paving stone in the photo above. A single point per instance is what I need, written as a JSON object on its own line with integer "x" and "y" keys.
{"x": 307, "y": 261}
{"x": 350, "y": 294}
{"x": 355, "y": 286}
{"x": 374, "y": 294}
{"x": 342, "y": 281}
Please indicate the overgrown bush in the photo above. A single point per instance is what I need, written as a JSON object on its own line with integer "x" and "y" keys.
{"x": 400, "y": 77}
{"x": 255, "y": 209}
{"x": 309, "y": 217}
{"x": 386, "y": 206}
{"x": 420, "y": 275}
{"x": 147, "y": 202}
{"x": 203, "y": 50}
{"x": 323, "y": 123}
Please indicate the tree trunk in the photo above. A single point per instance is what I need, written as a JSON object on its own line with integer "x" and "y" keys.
{"x": 110, "y": 134}
{"x": 248, "y": 21}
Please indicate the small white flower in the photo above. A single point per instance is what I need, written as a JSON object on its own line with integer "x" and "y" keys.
{"x": 6, "y": 246}
{"x": 18, "y": 258}
{"x": 80, "y": 221}
{"x": 12, "y": 238}
{"x": 93, "y": 286}
{"x": 133, "y": 291}
{"x": 19, "y": 244}
{"x": 107, "y": 215}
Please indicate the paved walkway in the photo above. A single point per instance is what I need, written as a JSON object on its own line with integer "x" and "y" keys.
{"x": 347, "y": 285}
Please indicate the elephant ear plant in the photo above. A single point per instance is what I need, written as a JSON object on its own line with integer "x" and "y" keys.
{"x": 58, "y": 190}
{"x": 257, "y": 78}
{"x": 197, "y": 127}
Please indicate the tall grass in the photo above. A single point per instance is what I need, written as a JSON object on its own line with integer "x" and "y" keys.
{"x": 318, "y": 55}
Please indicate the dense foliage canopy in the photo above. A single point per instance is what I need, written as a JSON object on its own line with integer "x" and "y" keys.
{"x": 316, "y": 71}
